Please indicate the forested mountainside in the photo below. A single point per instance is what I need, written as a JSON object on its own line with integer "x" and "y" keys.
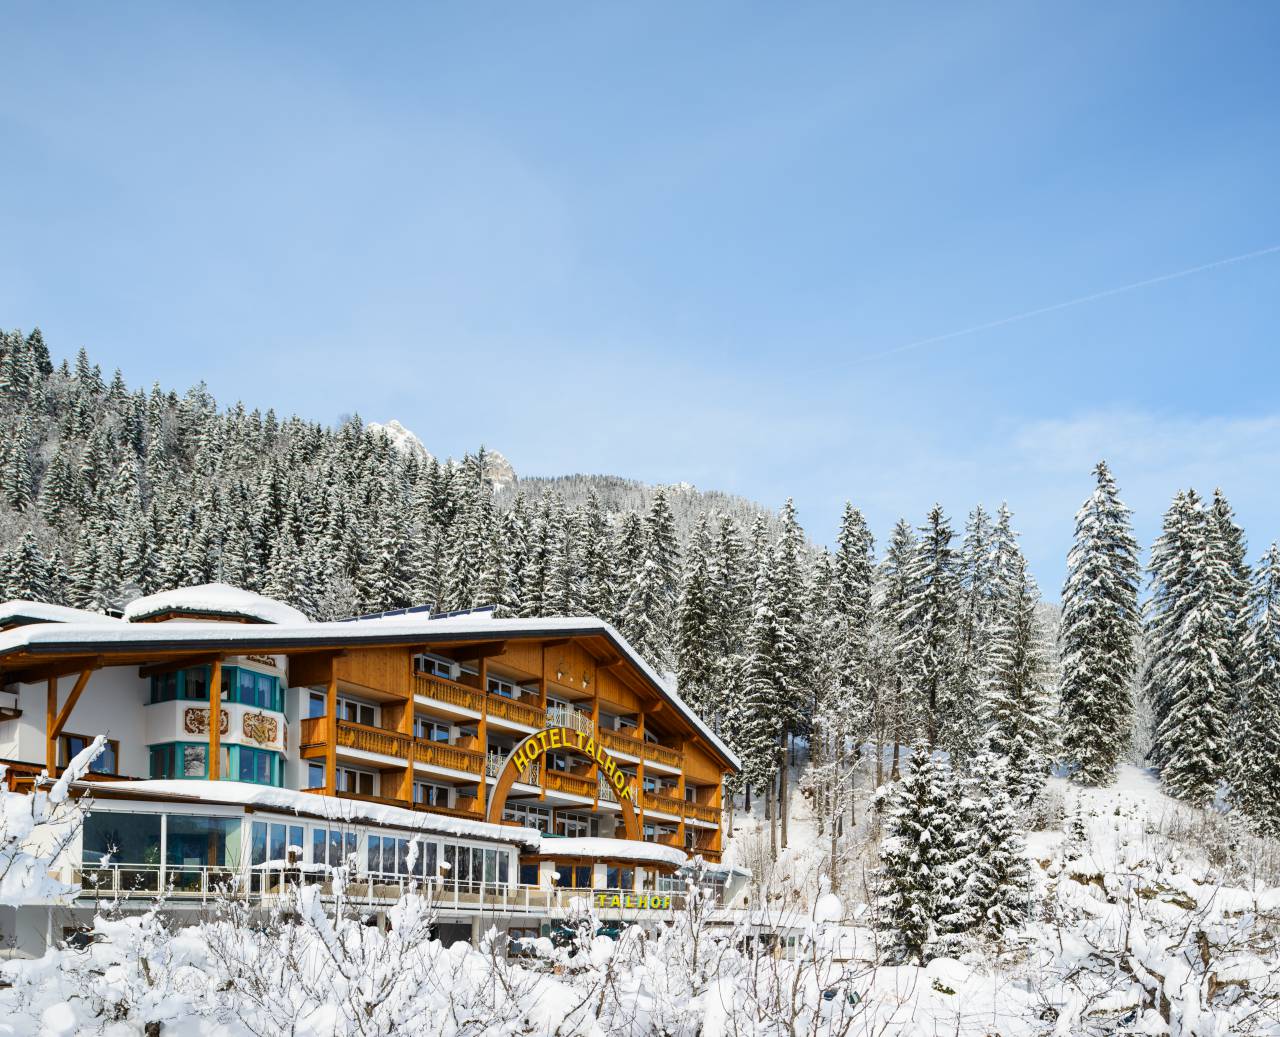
{"x": 108, "y": 492}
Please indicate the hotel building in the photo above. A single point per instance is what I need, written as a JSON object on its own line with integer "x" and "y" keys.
{"x": 510, "y": 764}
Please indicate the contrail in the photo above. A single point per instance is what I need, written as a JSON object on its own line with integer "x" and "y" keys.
{"x": 920, "y": 343}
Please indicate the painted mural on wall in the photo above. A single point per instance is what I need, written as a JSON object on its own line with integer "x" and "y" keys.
{"x": 258, "y": 727}
{"x": 195, "y": 721}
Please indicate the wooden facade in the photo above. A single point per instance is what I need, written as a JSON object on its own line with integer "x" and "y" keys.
{"x": 583, "y": 679}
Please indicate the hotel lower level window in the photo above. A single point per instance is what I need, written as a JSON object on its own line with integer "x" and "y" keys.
{"x": 106, "y": 762}
{"x": 258, "y": 766}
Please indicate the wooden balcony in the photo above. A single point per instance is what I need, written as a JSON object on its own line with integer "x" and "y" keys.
{"x": 656, "y": 801}
{"x": 430, "y": 686}
{"x": 622, "y": 743}
{"x": 702, "y": 813}
{"x": 441, "y": 754}
{"x": 661, "y": 754}
{"x": 373, "y": 739}
{"x": 516, "y": 712}
{"x": 468, "y": 806}
{"x": 314, "y": 732}
{"x": 562, "y": 781}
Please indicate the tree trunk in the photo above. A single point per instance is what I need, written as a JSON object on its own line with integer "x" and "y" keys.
{"x": 782, "y": 789}
{"x": 894, "y": 773}
{"x": 770, "y": 796}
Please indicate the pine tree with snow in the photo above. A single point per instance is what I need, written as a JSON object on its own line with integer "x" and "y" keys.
{"x": 1017, "y": 707}
{"x": 28, "y": 575}
{"x": 695, "y": 642}
{"x": 1255, "y": 769}
{"x": 899, "y": 710}
{"x": 914, "y": 858}
{"x": 998, "y": 885}
{"x": 1192, "y": 628}
{"x": 931, "y": 624}
{"x": 1100, "y": 624}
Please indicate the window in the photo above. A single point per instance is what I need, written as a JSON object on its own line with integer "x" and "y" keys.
{"x": 573, "y": 826}
{"x": 315, "y": 704}
{"x": 184, "y": 760}
{"x": 192, "y": 684}
{"x": 620, "y": 878}
{"x": 390, "y": 855}
{"x": 430, "y": 794}
{"x": 253, "y": 689}
{"x": 626, "y": 724}
{"x": 106, "y": 762}
{"x": 315, "y": 774}
{"x": 582, "y": 876}
{"x": 332, "y": 846}
{"x": 690, "y": 794}
{"x": 530, "y": 817}
{"x": 259, "y": 766}
{"x": 357, "y": 712}
{"x": 202, "y": 842}
{"x": 362, "y": 783}
{"x": 126, "y": 838}
{"x": 528, "y": 874}
{"x": 434, "y": 665}
{"x": 276, "y": 843}
{"x": 506, "y": 689}
{"x": 430, "y": 730}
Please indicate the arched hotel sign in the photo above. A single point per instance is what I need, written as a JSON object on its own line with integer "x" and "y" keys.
{"x": 563, "y": 739}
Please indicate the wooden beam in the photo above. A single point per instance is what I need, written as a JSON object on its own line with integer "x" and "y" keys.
{"x": 65, "y": 712}
{"x": 63, "y": 668}
{"x": 215, "y": 720}
{"x": 331, "y": 739}
{"x": 173, "y": 665}
{"x": 50, "y": 718}
{"x": 483, "y": 733}
{"x": 556, "y": 642}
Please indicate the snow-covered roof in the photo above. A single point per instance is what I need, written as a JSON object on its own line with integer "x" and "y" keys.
{"x": 18, "y": 611}
{"x": 215, "y": 599}
{"x": 613, "y": 849}
{"x": 409, "y": 629}
{"x": 330, "y": 808}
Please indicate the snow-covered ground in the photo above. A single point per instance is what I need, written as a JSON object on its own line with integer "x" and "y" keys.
{"x": 1147, "y": 917}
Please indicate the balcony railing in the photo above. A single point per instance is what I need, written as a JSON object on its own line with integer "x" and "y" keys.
{"x": 664, "y": 804}
{"x": 567, "y": 716}
{"x": 619, "y": 742}
{"x": 432, "y": 687}
{"x": 661, "y": 754}
{"x": 441, "y": 754}
{"x": 559, "y": 781}
{"x": 373, "y": 739}
{"x": 703, "y": 813}
{"x": 516, "y": 712}
{"x": 314, "y": 731}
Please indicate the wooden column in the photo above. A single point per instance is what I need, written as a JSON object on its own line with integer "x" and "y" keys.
{"x": 640, "y": 769}
{"x": 680, "y": 791}
{"x": 50, "y": 727}
{"x": 482, "y": 788}
{"x": 406, "y": 729}
{"x": 331, "y": 739}
{"x": 215, "y": 720}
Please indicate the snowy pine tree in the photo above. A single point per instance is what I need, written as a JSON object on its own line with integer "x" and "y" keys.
{"x": 1099, "y": 633}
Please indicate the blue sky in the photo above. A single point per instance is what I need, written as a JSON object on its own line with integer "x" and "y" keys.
{"x": 681, "y": 242}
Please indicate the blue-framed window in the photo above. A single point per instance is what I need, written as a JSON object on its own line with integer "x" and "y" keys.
{"x": 239, "y": 762}
{"x": 192, "y": 684}
{"x": 258, "y": 766}
{"x": 247, "y": 687}
{"x": 180, "y": 760}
